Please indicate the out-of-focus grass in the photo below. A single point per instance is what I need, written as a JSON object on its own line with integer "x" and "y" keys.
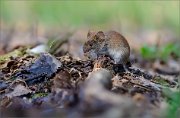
{"x": 154, "y": 14}
{"x": 173, "y": 99}
{"x": 162, "y": 52}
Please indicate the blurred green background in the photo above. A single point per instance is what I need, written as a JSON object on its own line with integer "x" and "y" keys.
{"x": 146, "y": 14}
{"x": 155, "y": 15}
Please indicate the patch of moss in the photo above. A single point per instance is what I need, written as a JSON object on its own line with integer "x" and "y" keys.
{"x": 161, "y": 81}
{"x": 37, "y": 95}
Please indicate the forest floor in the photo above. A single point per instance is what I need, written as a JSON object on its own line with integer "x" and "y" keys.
{"x": 42, "y": 78}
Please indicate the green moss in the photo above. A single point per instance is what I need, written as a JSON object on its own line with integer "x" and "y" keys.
{"x": 161, "y": 81}
{"x": 37, "y": 95}
{"x": 15, "y": 53}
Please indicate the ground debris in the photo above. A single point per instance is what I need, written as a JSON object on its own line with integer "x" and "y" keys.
{"x": 65, "y": 86}
{"x": 43, "y": 68}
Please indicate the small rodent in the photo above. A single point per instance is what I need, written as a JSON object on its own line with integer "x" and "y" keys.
{"x": 110, "y": 43}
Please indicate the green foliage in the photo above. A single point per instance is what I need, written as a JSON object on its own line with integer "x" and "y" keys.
{"x": 148, "y": 52}
{"x": 168, "y": 49}
{"x": 173, "y": 98}
{"x": 163, "y": 52}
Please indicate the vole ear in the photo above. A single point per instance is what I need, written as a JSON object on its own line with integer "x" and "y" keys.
{"x": 90, "y": 34}
{"x": 100, "y": 35}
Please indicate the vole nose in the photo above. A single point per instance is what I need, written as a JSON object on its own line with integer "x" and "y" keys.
{"x": 86, "y": 55}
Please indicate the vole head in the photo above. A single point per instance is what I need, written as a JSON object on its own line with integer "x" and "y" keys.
{"x": 96, "y": 35}
{"x": 93, "y": 44}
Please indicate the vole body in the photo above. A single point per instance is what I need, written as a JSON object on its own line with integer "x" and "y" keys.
{"x": 110, "y": 43}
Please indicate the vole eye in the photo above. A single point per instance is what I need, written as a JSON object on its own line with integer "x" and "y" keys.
{"x": 94, "y": 38}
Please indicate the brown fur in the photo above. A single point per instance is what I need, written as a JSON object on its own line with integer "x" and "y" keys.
{"x": 110, "y": 43}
